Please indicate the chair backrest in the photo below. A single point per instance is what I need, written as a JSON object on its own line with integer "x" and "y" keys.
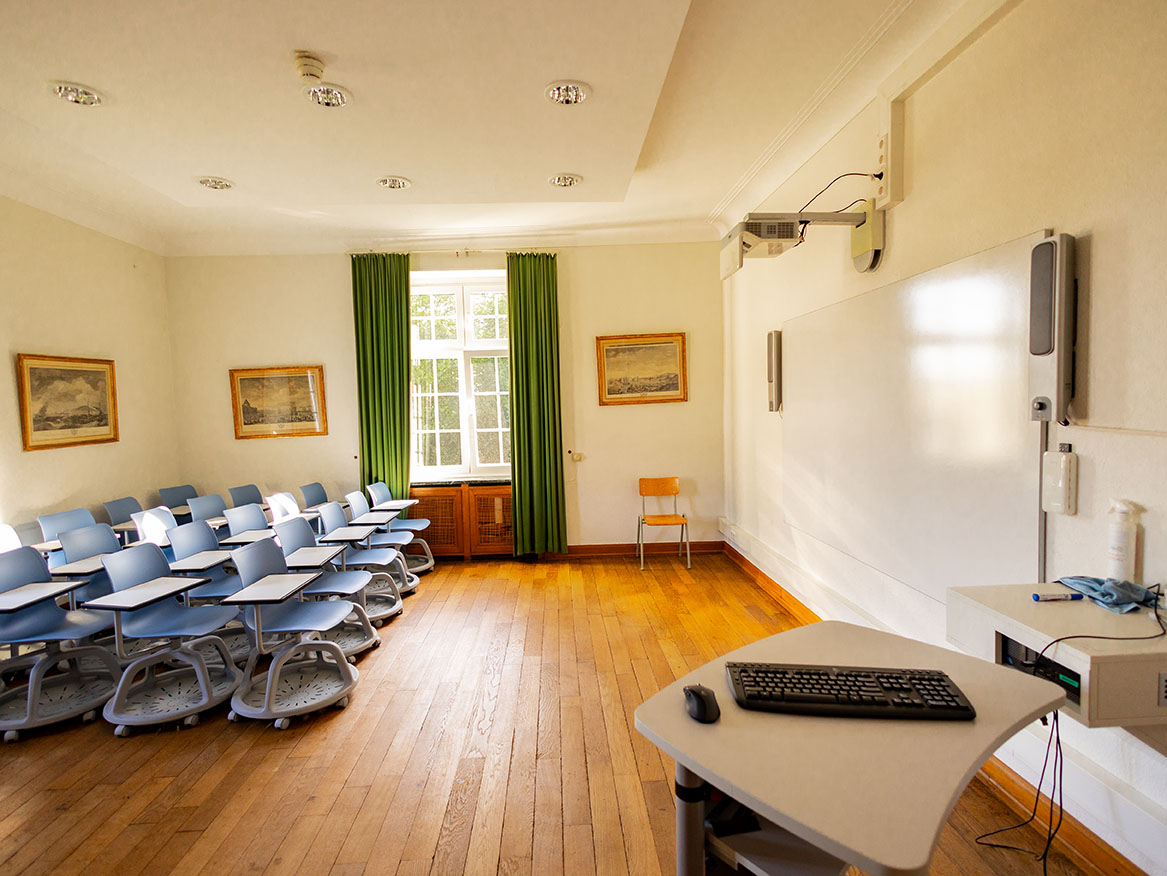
{"x": 172, "y": 497}
{"x": 357, "y": 503}
{"x": 248, "y": 494}
{"x": 379, "y": 492}
{"x": 241, "y": 518}
{"x": 659, "y": 487}
{"x": 314, "y": 494}
{"x": 89, "y": 541}
{"x": 9, "y": 540}
{"x": 283, "y": 506}
{"x": 294, "y": 533}
{"x": 191, "y": 538}
{"x": 331, "y": 516}
{"x": 53, "y": 525}
{"x": 206, "y": 507}
{"x": 260, "y": 558}
{"x": 153, "y": 523}
{"x": 22, "y": 566}
{"x": 135, "y": 565}
{"x": 119, "y": 510}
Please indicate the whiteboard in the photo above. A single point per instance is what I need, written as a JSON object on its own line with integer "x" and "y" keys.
{"x": 906, "y": 439}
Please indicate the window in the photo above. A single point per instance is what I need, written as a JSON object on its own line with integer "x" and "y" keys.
{"x": 460, "y": 382}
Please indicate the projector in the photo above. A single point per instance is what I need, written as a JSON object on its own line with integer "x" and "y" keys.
{"x": 759, "y": 237}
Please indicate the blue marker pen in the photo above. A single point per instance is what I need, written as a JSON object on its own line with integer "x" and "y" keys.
{"x": 1057, "y": 597}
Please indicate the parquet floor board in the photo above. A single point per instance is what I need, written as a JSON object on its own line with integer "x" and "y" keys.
{"x": 491, "y": 733}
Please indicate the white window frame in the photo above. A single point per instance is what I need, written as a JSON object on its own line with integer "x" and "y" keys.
{"x": 464, "y": 349}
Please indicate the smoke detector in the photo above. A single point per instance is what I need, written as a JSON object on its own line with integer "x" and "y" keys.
{"x": 321, "y": 93}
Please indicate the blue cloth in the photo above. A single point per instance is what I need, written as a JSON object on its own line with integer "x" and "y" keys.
{"x": 1111, "y": 594}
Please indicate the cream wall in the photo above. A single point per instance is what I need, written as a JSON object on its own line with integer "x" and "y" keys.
{"x": 231, "y": 312}
{"x": 70, "y": 291}
{"x": 1048, "y": 121}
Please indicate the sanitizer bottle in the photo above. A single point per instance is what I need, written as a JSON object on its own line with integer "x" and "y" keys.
{"x": 1123, "y": 531}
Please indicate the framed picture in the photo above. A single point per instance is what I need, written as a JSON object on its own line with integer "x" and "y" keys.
{"x": 278, "y": 402}
{"x": 642, "y": 369}
{"x": 66, "y": 401}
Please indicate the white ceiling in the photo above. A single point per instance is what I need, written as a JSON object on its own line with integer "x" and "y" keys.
{"x": 690, "y": 102}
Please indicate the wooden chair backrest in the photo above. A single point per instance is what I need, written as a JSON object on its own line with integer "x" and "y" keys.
{"x": 660, "y": 486}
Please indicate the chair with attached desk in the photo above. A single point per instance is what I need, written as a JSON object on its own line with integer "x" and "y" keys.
{"x": 248, "y": 494}
{"x": 120, "y": 511}
{"x": 659, "y": 487}
{"x": 297, "y": 540}
{"x": 29, "y": 615}
{"x": 285, "y": 507}
{"x": 306, "y": 672}
{"x": 52, "y": 525}
{"x": 210, "y": 508}
{"x": 177, "y": 498}
{"x": 153, "y": 689}
{"x": 9, "y": 540}
{"x": 245, "y": 518}
{"x": 380, "y": 496}
{"x": 196, "y": 540}
{"x": 85, "y": 543}
{"x": 365, "y": 552}
{"x": 152, "y": 526}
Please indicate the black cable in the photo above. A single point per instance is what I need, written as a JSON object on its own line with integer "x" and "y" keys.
{"x": 831, "y": 183}
{"x": 1156, "y": 589}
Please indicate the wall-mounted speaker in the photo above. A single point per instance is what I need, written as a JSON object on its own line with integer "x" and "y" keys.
{"x": 1052, "y": 328}
{"x": 774, "y": 368}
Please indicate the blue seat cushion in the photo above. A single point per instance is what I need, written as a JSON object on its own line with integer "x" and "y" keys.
{"x": 391, "y": 539}
{"x": 297, "y": 617}
{"x": 339, "y": 584}
{"x": 372, "y": 557}
{"x": 169, "y": 619}
{"x": 23, "y": 627}
{"x": 410, "y": 525}
{"x": 218, "y": 589}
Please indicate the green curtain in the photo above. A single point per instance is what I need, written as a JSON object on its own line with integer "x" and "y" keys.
{"x": 381, "y": 316}
{"x": 540, "y": 518}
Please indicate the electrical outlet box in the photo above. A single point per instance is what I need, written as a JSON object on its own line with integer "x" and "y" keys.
{"x": 1117, "y": 683}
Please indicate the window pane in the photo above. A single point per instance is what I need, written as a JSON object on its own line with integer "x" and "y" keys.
{"x": 503, "y": 327}
{"x": 419, "y": 304}
{"x": 504, "y": 372}
{"x": 423, "y": 375}
{"x": 425, "y": 329}
{"x": 483, "y": 370}
{"x": 444, "y": 304}
{"x": 488, "y": 448}
{"x": 445, "y": 330}
{"x": 481, "y": 304}
{"x": 506, "y": 447}
{"x": 428, "y": 448}
{"x": 451, "y": 448}
{"x": 484, "y": 328}
{"x": 486, "y": 408}
{"x": 502, "y": 302}
{"x": 448, "y": 417}
{"x": 423, "y": 412}
{"x": 447, "y": 375}
{"x": 505, "y": 404}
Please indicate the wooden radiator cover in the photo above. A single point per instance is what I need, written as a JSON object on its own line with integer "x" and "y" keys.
{"x": 466, "y": 519}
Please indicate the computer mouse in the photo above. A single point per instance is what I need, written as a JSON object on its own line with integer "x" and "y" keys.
{"x": 701, "y": 703}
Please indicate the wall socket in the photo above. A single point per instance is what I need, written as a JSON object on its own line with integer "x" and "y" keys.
{"x": 1163, "y": 688}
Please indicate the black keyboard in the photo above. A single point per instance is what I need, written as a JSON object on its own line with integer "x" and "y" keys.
{"x": 848, "y": 691}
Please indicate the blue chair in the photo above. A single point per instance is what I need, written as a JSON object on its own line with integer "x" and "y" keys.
{"x": 9, "y": 540}
{"x": 52, "y": 525}
{"x": 173, "y": 497}
{"x": 90, "y": 673}
{"x": 285, "y": 507}
{"x": 153, "y": 690}
{"x": 153, "y": 524}
{"x": 359, "y": 505}
{"x": 119, "y": 510}
{"x": 248, "y": 494}
{"x": 314, "y": 494}
{"x": 209, "y": 507}
{"x": 386, "y": 559}
{"x": 306, "y": 672}
{"x": 90, "y": 541}
{"x": 243, "y": 518}
{"x": 193, "y": 538}
{"x": 356, "y": 634}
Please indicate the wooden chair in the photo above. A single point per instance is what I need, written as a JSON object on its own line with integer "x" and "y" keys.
{"x": 662, "y": 487}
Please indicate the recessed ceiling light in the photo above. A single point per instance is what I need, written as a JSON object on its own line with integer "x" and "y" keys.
{"x": 327, "y": 94}
{"x": 394, "y": 182}
{"x": 216, "y": 182}
{"x": 74, "y": 93}
{"x": 565, "y": 180}
{"x": 568, "y": 92}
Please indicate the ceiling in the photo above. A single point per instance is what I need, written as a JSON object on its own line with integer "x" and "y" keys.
{"x": 689, "y": 100}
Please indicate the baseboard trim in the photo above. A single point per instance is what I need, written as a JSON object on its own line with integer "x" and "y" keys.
{"x": 629, "y": 550}
{"x": 1083, "y": 846}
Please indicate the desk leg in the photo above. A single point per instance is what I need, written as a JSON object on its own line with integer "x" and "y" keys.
{"x": 690, "y": 823}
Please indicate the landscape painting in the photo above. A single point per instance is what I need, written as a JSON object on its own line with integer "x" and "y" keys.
{"x": 282, "y": 402}
{"x": 642, "y": 369}
{"x": 66, "y": 401}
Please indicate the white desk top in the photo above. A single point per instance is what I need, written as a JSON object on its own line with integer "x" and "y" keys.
{"x": 873, "y": 792}
{"x": 127, "y": 526}
{"x": 201, "y": 561}
{"x": 87, "y": 566}
{"x": 348, "y": 534}
{"x": 146, "y": 593}
{"x": 29, "y": 594}
{"x": 313, "y": 557}
{"x": 251, "y": 535}
{"x": 47, "y": 547}
{"x": 216, "y": 522}
{"x": 374, "y": 518}
{"x": 394, "y": 505}
{"x": 271, "y": 588}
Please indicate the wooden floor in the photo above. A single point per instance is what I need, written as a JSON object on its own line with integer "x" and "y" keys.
{"x": 491, "y": 732}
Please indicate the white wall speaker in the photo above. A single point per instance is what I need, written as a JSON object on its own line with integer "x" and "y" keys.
{"x": 1052, "y": 328}
{"x": 774, "y": 368}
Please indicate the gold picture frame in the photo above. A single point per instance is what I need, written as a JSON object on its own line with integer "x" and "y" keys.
{"x": 66, "y": 401}
{"x": 283, "y": 402}
{"x": 642, "y": 369}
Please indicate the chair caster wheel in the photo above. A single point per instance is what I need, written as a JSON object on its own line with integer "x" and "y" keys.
{"x": 351, "y": 659}
{"x": 232, "y": 717}
{"x": 121, "y": 731}
{"x": 342, "y": 702}
{"x": 89, "y": 716}
{"x": 378, "y": 624}
{"x": 11, "y": 735}
{"x": 190, "y": 721}
{"x": 283, "y": 723}
{"x": 377, "y": 642}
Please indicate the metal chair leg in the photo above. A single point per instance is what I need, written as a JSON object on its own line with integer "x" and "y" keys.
{"x": 640, "y": 540}
{"x": 688, "y": 556}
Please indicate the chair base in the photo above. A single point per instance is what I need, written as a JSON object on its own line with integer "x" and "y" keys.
{"x": 173, "y": 694}
{"x": 47, "y": 699}
{"x": 296, "y": 683}
{"x": 682, "y": 542}
{"x": 417, "y": 562}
